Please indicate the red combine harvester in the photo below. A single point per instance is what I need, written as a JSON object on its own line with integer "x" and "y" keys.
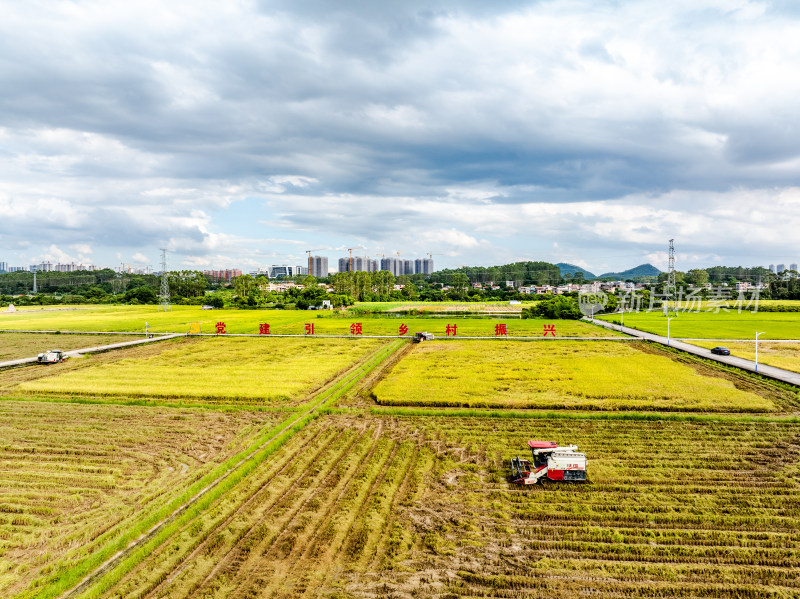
{"x": 549, "y": 461}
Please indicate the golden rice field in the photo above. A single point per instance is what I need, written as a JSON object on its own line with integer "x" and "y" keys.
{"x": 26, "y": 345}
{"x": 593, "y": 375}
{"x": 74, "y": 476}
{"x": 784, "y": 355}
{"x": 229, "y": 370}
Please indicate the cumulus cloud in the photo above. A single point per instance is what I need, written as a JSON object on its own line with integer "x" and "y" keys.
{"x": 247, "y": 132}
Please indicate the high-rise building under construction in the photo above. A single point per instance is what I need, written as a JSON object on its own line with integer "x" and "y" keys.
{"x": 360, "y": 264}
{"x": 318, "y": 266}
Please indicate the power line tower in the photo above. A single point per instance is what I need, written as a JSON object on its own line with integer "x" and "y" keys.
{"x": 670, "y": 290}
{"x": 163, "y": 299}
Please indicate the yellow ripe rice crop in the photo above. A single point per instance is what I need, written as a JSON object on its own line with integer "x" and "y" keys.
{"x": 596, "y": 375}
{"x": 225, "y": 370}
{"x": 781, "y": 354}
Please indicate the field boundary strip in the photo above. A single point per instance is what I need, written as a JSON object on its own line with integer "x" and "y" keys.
{"x": 71, "y": 332}
{"x": 406, "y": 337}
{"x": 555, "y": 415}
{"x": 235, "y": 469}
{"x": 325, "y": 336}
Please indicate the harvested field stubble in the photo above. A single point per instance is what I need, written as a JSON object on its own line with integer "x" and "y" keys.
{"x": 14, "y": 346}
{"x": 672, "y": 509}
{"x": 330, "y": 500}
{"x": 71, "y": 475}
{"x": 595, "y": 375}
{"x": 367, "y": 506}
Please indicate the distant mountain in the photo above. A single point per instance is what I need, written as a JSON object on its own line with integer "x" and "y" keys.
{"x": 571, "y": 269}
{"x": 643, "y": 270}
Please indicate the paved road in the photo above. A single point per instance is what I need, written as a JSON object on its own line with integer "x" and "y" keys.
{"x": 75, "y": 353}
{"x": 787, "y": 376}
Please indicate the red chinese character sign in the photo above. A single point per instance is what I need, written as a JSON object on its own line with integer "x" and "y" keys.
{"x": 549, "y": 329}
{"x": 500, "y": 329}
{"x": 355, "y": 328}
{"x": 221, "y": 328}
{"x": 451, "y": 330}
{"x": 263, "y": 329}
{"x": 309, "y": 328}
{"x": 402, "y": 330}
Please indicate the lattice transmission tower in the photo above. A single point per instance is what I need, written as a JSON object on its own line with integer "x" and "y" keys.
{"x": 670, "y": 290}
{"x": 163, "y": 298}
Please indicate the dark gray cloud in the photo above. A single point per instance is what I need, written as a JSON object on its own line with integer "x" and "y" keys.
{"x": 400, "y": 105}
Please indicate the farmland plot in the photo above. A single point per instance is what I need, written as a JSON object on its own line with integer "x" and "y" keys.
{"x": 25, "y": 345}
{"x": 784, "y": 354}
{"x": 74, "y": 476}
{"x": 716, "y": 325}
{"x": 284, "y": 322}
{"x": 230, "y": 370}
{"x": 383, "y": 506}
{"x": 673, "y": 509}
{"x": 330, "y": 501}
{"x": 595, "y": 375}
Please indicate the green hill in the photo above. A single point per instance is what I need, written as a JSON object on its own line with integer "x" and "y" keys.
{"x": 643, "y": 270}
{"x": 568, "y": 270}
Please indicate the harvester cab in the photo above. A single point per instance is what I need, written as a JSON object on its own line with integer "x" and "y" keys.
{"x": 549, "y": 461}
{"x": 422, "y": 337}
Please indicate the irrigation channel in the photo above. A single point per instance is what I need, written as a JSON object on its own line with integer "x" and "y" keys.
{"x": 247, "y": 460}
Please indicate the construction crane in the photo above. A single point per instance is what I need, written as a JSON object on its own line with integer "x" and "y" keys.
{"x": 309, "y": 257}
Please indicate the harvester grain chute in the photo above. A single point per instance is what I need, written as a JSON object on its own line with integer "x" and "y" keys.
{"x": 549, "y": 461}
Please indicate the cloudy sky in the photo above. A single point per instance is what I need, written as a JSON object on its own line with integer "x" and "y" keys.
{"x": 244, "y": 133}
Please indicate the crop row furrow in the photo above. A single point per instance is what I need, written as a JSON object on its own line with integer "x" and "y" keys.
{"x": 274, "y": 527}
{"x": 368, "y": 471}
{"x": 199, "y": 539}
{"x": 247, "y": 513}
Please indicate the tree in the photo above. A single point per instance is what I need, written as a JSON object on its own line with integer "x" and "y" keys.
{"x": 382, "y": 283}
{"x": 460, "y": 283}
{"x": 558, "y": 307}
{"x": 697, "y": 277}
{"x": 215, "y": 300}
{"x": 410, "y": 291}
{"x": 187, "y": 283}
{"x": 143, "y": 295}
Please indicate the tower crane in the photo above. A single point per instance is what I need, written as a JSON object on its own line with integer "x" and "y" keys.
{"x": 309, "y": 257}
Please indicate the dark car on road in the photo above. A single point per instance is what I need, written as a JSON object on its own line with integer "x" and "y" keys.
{"x": 721, "y": 351}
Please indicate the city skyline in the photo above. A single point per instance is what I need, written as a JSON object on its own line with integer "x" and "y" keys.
{"x": 361, "y": 263}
